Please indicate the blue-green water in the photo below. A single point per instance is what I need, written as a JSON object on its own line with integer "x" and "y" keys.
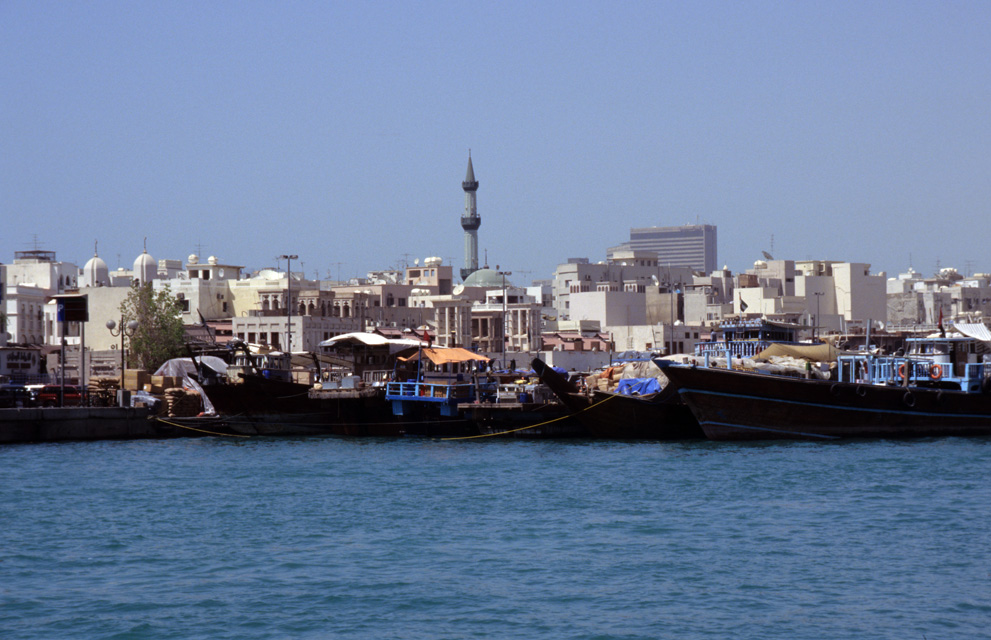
{"x": 411, "y": 539}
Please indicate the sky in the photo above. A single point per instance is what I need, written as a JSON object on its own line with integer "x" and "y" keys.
{"x": 340, "y": 131}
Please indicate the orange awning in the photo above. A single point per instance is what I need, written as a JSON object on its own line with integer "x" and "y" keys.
{"x": 446, "y": 356}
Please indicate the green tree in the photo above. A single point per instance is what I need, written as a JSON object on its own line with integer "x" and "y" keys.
{"x": 159, "y": 335}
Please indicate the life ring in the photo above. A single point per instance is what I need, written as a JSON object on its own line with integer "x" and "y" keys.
{"x": 909, "y": 399}
{"x": 935, "y": 372}
{"x": 901, "y": 371}
{"x": 861, "y": 390}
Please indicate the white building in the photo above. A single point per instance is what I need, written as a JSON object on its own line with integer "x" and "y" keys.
{"x": 29, "y": 282}
{"x": 624, "y": 271}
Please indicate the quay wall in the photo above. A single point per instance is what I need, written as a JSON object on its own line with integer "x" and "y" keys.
{"x": 55, "y": 424}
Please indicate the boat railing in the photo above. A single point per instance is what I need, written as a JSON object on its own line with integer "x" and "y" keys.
{"x": 912, "y": 371}
{"x": 739, "y": 349}
{"x": 736, "y": 348}
{"x": 436, "y": 392}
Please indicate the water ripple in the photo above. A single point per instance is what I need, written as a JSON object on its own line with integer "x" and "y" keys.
{"x": 417, "y": 539}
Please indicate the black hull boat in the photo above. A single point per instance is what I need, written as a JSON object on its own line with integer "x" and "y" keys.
{"x": 526, "y": 420}
{"x": 659, "y": 416}
{"x": 735, "y": 405}
{"x": 258, "y": 406}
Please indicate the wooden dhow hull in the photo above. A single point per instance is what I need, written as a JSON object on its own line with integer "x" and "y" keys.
{"x": 735, "y": 405}
{"x": 659, "y": 416}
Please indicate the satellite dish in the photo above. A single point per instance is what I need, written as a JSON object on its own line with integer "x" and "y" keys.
{"x": 416, "y": 263}
{"x": 767, "y": 256}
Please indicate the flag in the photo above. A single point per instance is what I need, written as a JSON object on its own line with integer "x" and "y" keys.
{"x": 426, "y": 338}
{"x": 743, "y": 305}
{"x": 942, "y": 331}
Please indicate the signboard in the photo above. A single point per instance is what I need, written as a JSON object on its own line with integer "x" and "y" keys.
{"x": 72, "y": 308}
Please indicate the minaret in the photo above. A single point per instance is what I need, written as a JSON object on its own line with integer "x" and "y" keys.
{"x": 470, "y": 222}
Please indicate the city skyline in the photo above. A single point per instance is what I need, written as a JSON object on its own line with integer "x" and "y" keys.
{"x": 340, "y": 133}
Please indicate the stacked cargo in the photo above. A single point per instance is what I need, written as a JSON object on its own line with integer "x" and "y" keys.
{"x": 183, "y": 403}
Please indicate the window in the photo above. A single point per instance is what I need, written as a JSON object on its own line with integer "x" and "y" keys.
{"x": 251, "y": 336}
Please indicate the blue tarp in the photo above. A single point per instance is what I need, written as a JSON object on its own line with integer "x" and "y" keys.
{"x": 638, "y": 386}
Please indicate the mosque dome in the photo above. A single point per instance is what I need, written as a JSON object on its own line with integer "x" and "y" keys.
{"x": 145, "y": 268}
{"x": 488, "y": 278}
{"x": 96, "y": 273}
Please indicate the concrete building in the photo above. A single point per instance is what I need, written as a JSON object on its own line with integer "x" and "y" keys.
{"x": 630, "y": 271}
{"x": 710, "y": 298}
{"x": 29, "y": 282}
{"x": 841, "y": 296}
{"x": 203, "y": 289}
{"x": 692, "y": 246}
{"x": 915, "y": 302}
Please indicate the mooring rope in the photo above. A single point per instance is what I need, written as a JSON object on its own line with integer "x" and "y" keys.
{"x": 534, "y": 426}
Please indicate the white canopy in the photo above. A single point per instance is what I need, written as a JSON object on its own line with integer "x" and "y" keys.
{"x": 372, "y": 340}
{"x": 976, "y": 330}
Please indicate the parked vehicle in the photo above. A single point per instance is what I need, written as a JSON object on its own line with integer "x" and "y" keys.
{"x": 14, "y": 395}
{"x": 48, "y": 396}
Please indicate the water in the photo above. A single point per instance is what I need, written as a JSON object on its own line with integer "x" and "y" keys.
{"x": 417, "y": 539}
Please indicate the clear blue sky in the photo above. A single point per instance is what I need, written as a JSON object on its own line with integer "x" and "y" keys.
{"x": 339, "y": 131}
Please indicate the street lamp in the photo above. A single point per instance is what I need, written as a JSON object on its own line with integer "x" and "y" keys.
{"x": 505, "y": 328}
{"x": 288, "y": 259}
{"x": 815, "y": 326}
{"x": 122, "y": 331}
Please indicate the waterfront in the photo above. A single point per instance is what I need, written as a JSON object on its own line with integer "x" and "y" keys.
{"x": 418, "y": 538}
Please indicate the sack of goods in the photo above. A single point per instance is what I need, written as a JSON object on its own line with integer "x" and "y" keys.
{"x": 183, "y": 403}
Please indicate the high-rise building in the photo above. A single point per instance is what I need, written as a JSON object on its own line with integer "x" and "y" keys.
{"x": 470, "y": 222}
{"x": 687, "y": 246}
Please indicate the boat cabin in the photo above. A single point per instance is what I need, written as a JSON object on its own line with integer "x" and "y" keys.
{"x": 955, "y": 362}
{"x": 747, "y": 338}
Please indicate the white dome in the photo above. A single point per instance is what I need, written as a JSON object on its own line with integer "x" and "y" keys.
{"x": 96, "y": 273}
{"x": 212, "y": 259}
{"x": 193, "y": 258}
{"x": 145, "y": 268}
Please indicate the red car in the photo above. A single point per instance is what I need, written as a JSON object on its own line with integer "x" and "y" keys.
{"x": 49, "y": 394}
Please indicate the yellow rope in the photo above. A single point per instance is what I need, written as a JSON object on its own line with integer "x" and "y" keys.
{"x": 212, "y": 433}
{"x": 533, "y": 426}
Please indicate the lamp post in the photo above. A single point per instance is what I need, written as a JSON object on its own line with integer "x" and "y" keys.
{"x": 505, "y": 327}
{"x": 815, "y": 326}
{"x": 288, "y": 259}
{"x": 123, "y": 331}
